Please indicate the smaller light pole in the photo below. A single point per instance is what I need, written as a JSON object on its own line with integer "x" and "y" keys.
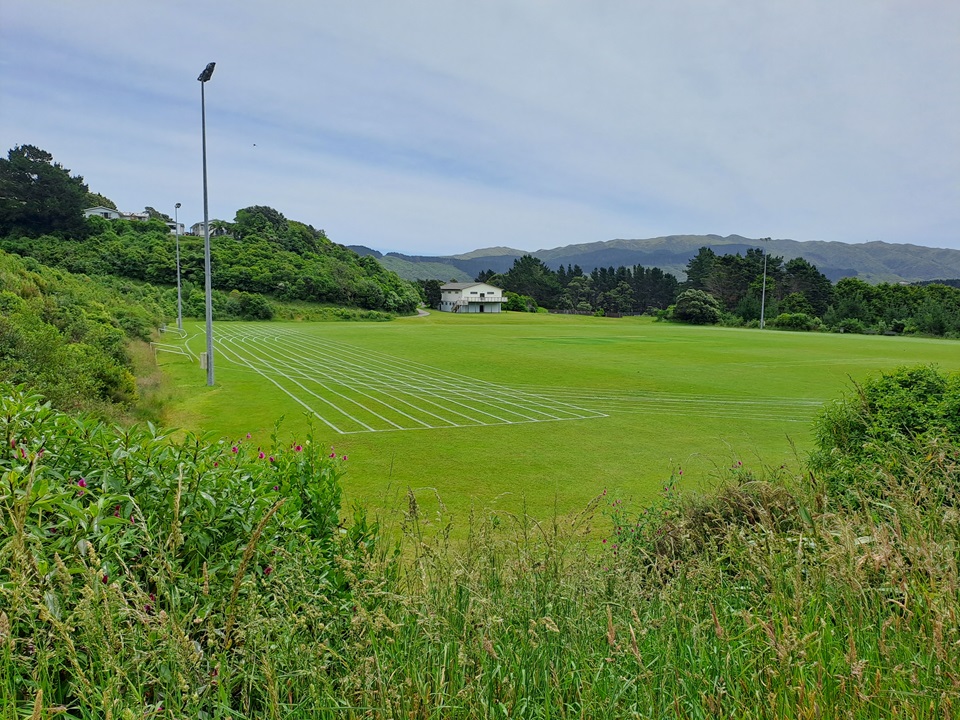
{"x": 204, "y": 77}
{"x": 763, "y": 291}
{"x": 176, "y": 222}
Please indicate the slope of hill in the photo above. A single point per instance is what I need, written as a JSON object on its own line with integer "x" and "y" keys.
{"x": 872, "y": 262}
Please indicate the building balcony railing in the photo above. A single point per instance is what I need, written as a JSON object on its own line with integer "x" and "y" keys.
{"x": 466, "y": 300}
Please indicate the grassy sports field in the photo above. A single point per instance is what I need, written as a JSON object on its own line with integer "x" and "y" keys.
{"x": 514, "y": 410}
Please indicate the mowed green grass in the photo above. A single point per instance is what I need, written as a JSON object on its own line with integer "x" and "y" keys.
{"x": 674, "y": 397}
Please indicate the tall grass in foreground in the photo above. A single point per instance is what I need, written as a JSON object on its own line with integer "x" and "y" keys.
{"x": 771, "y": 597}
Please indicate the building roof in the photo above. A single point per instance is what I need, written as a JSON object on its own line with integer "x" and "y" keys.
{"x": 464, "y": 286}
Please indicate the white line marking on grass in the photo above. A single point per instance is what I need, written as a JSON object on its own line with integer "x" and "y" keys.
{"x": 308, "y": 375}
{"x": 257, "y": 370}
{"x": 482, "y": 389}
{"x": 383, "y": 380}
{"x": 446, "y": 406}
{"x": 340, "y": 410}
{"x": 379, "y": 388}
{"x": 310, "y": 392}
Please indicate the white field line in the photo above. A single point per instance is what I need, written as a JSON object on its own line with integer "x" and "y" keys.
{"x": 173, "y": 349}
{"x": 481, "y": 394}
{"x": 448, "y": 400}
{"x": 485, "y": 390}
{"x": 387, "y": 375}
{"x": 786, "y": 409}
{"x": 489, "y": 395}
{"x": 482, "y": 386}
{"x": 311, "y": 377}
{"x": 307, "y": 390}
{"x": 347, "y": 379}
{"x": 308, "y": 370}
{"x": 484, "y": 398}
{"x": 226, "y": 353}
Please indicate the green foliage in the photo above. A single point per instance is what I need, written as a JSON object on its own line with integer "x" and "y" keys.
{"x": 66, "y": 337}
{"x": 866, "y": 440}
{"x": 519, "y": 303}
{"x": 697, "y": 307}
{"x": 430, "y": 292}
{"x": 97, "y": 200}
{"x": 531, "y": 277}
{"x": 795, "y": 321}
{"x": 289, "y": 262}
{"x": 39, "y": 196}
{"x": 140, "y": 572}
{"x": 186, "y": 577}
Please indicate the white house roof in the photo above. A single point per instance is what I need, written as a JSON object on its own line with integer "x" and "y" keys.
{"x": 464, "y": 286}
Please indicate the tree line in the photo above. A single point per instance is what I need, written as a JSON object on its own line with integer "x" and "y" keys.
{"x": 68, "y": 337}
{"x": 261, "y": 253}
{"x": 731, "y": 289}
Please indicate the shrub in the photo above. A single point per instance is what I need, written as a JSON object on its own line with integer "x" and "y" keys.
{"x": 850, "y": 325}
{"x": 866, "y": 439}
{"x": 795, "y": 321}
{"x": 697, "y": 307}
{"x": 138, "y": 570}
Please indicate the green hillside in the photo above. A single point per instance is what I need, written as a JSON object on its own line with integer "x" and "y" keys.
{"x": 872, "y": 262}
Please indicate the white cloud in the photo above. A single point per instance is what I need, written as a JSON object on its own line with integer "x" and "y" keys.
{"x": 438, "y": 127}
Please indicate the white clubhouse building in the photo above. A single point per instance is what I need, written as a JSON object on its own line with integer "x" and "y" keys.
{"x": 472, "y": 297}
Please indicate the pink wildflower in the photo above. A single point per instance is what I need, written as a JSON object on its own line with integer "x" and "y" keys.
{"x": 267, "y": 570}
{"x": 261, "y": 455}
{"x": 299, "y": 448}
{"x": 82, "y": 483}
{"x": 235, "y": 448}
{"x": 248, "y": 436}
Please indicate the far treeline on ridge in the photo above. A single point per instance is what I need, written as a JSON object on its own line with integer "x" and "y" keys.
{"x": 262, "y": 260}
{"x": 261, "y": 253}
{"x": 733, "y": 290}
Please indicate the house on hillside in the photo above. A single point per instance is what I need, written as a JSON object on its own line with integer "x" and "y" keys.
{"x": 104, "y": 212}
{"x": 472, "y": 297}
{"x": 217, "y": 229}
{"x": 111, "y": 214}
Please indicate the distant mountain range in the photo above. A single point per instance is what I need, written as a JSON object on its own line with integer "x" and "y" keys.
{"x": 872, "y": 262}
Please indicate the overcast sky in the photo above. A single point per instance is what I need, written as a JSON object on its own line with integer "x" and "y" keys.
{"x": 442, "y": 126}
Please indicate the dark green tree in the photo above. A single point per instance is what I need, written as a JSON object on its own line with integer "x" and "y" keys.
{"x": 700, "y": 268}
{"x": 431, "y": 292}
{"x": 96, "y": 199}
{"x": 697, "y": 307}
{"x": 530, "y": 276}
{"x": 157, "y": 215}
{"x": 39, "y": 196}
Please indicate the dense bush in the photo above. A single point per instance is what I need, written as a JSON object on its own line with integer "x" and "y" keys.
{"x": 795, "y": 321}
{"x": 868, "y": 438}
{"x": 66, "y": 336}
{"x": 141, "y": 572}
{"x": 697, "y": 307}
{"x": 142, "y": 575}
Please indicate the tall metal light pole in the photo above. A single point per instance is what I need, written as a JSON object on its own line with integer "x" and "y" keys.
{"x": 204, "y": 77}
{"x": 763, "y": 292}
{"x": 176, "y": 222}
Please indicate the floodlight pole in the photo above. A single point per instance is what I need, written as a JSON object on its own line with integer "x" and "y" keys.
{"x": 763, "y": 291}
{"x": 204, "y": 77}
{"x": 176, "y": 222}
